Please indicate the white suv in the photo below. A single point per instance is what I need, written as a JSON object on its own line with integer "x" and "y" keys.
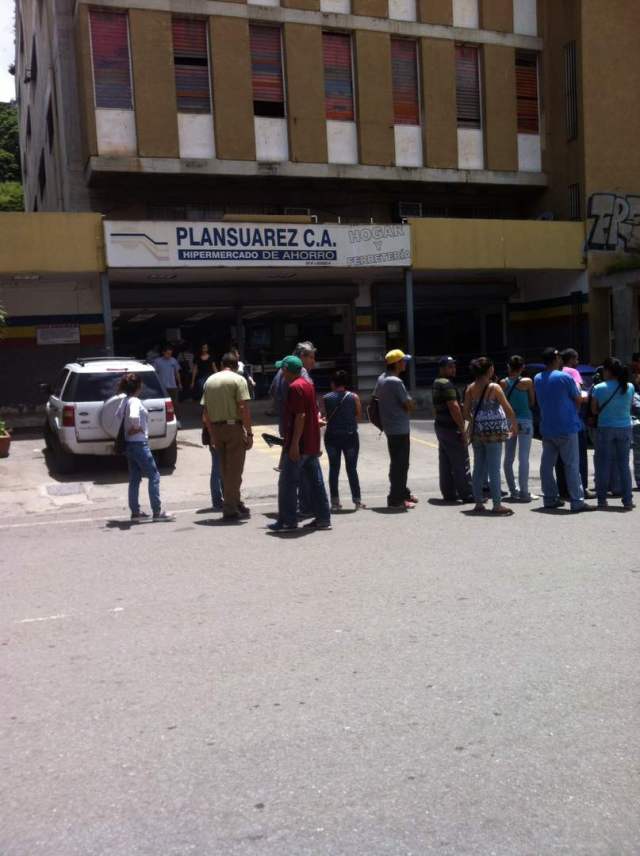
{"x": 79, "y": 424}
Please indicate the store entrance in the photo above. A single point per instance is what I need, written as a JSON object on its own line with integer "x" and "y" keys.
{"x": 263, "y": 334}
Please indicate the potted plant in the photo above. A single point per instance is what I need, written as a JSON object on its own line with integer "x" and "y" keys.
{"x": 5, "y": 439}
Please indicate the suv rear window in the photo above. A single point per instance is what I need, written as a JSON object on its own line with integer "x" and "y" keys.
{"x": 101, "y": 386}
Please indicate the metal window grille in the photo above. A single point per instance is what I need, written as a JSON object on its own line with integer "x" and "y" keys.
{"x": 266, "y": 70}
{"x": 111, "y": 60}
{"x": 404, "y": 76}
{"x": 191, "y": 64}
{"x": 468, "y": 87}
{"x": 571, "y": 90}
{"x": 338, "y": 76}
{"x": 527, "y": 92}
{"x": 575, "y": 202}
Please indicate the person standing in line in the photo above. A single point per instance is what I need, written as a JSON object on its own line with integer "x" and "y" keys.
{"x": 302, "y": 453}
{"x": 611, "y": 403}
{"x": 489, "y": 415}
{"x": 570, "y": 361}
{"x": 228, "y": 420}
{"x": 203, "y": 367}
{"x": 135, "y": 418}
{"x": 215, "y": 479}
{"x": 245, "y": 370}
{"x": 395, "y": 404}
{"x": 635, "y": 411}
{"x": 342, "y": 410}
{"x": 453, "y": 455}
{"x": 168, "y": 370}
{"x": 559, "y": 400}
{"x": 520, "y": 393}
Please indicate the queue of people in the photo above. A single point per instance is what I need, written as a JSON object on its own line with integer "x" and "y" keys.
{"x": 494, "y": 418}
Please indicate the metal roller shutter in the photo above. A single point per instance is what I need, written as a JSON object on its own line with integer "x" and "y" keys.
{"x": 266, "y": 69}
{"x": 338, "y": 82}
{"x": 404, "y": 72}
{"x": 191, "y": 61}
{"x": 527, "y": 93}
{"x": 468, "y": 87}
{"x": 111, "y": 63}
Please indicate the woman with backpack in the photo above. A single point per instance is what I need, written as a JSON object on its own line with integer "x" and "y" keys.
{"x": 611, "y": 402}
{"x": 134, "y": 436}
{"x": 490, "y": 416}
{"x": 342, "y": 410}
{"x": 520, "y": 393}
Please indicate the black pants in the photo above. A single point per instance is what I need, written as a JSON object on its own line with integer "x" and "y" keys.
{"x": 563, "y": 490}
{"x": 453, "y": 459}
{"x": 398, "y": 445}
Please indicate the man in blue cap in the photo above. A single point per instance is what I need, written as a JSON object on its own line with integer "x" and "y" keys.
{"x": 301, "y": 452}
{"x": 453, "y": 455}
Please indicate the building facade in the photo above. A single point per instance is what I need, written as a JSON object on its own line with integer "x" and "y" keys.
{"x": 461, "y": 114}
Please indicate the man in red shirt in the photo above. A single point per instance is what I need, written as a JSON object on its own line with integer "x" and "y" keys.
{"x": 301, "y": 452}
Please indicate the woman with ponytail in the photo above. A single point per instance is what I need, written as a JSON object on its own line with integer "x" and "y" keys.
{"x": 611, "y": 403}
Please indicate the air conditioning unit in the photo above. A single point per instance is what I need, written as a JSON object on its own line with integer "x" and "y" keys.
{"x": 405, "y": 210}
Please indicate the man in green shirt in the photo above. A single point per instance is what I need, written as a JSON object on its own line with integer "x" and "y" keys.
{"x": 228, "y": 419}
{"x": 455, "y": 477}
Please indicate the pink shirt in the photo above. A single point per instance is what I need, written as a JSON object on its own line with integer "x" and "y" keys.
{"x": 575, "y": 374}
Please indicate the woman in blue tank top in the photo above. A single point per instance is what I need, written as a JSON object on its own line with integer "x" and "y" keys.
{"x": 520, "y": 394}
{"x": 342, "y": 410}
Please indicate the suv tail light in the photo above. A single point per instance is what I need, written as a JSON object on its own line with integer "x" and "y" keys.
{"x": 168, "y": 410}
{"x": 68, "y": 416}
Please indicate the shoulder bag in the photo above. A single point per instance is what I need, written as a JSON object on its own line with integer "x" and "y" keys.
{"x": 470, "y": 426}
{"x": 121, "y": 438}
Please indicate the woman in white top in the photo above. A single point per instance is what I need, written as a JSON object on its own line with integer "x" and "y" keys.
{"x": 139, "y": 458}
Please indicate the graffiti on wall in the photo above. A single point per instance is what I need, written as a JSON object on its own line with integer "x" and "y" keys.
{"x": 614, "y": 222}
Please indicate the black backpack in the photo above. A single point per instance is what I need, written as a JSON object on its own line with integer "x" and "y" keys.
{"x": 373, "y": 412}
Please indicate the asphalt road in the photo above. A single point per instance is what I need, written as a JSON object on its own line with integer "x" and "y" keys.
{"x": 428, "y": 683}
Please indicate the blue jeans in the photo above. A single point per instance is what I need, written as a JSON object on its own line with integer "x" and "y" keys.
{"x": 216, "y": 478}
{"x": 568, "y": 448}
{"x": 289, "y": 483}
{"x": 486, "y": 460}
{"x": 523, "y": 443}
{"x": 337, "y": 445}
{"x": 613, "y": 445}
{"x": 142, "y": 463}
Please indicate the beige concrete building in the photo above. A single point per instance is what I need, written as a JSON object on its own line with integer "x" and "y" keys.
{"x": 467, "y": 117}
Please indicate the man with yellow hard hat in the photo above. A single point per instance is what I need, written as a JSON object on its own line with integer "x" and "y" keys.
{"x": 394, "y": 405}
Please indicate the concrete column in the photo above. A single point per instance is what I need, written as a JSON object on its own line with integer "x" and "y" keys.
{"x": 625, "y": 320}
{"x": 411, "y": 339}
{"x": 107, "y": 317}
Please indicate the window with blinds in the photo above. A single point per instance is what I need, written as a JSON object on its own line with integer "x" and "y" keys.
{"x": 338, "y": 76}
{"x": 266, "y": 71}
{"x": 191, "y": 64}
{"x": 111, "y": 62}
{"x": 468, "y": 87}
{"x": 527, "y": 92}
{"x": 404, "y": 78}
{"x": 571, "y": 90}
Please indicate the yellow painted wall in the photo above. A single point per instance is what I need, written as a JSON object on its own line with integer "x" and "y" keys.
{"x": 477, "y": 245}
{"x": 49, "y": 243}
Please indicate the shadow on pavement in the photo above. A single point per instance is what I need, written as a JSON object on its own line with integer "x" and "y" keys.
{"x": 220, "y": 521}
{"x": 558, "y": 512}
{"x": 444, "y": 503}
{"x": 384, "y": 509}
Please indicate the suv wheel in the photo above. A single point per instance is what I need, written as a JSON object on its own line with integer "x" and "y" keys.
{"x": 48, "y": 435}
{"x": 63, "y": 462}
{"x": 167, "y": 457}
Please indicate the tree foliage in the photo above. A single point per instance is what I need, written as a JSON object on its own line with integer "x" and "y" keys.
{"x": 10, "y": 171}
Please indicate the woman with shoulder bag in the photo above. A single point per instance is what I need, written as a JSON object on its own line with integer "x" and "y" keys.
{"x": 489, "y": 414}
{"x": 520, "y": 393}
{"x": 134, "y": 436}
{"x": 342, "y": 410}
{"x": 611, "y": 402}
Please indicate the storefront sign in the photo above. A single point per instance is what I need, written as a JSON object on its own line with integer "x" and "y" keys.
{"x": 149, "y": 244}
{"x": 58, "y": 334}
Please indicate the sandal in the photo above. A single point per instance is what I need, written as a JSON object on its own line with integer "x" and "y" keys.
{"x": 479, "y": 508}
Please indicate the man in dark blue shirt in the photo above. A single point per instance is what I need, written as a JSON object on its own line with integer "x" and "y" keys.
{"x": 559, "y": 400}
